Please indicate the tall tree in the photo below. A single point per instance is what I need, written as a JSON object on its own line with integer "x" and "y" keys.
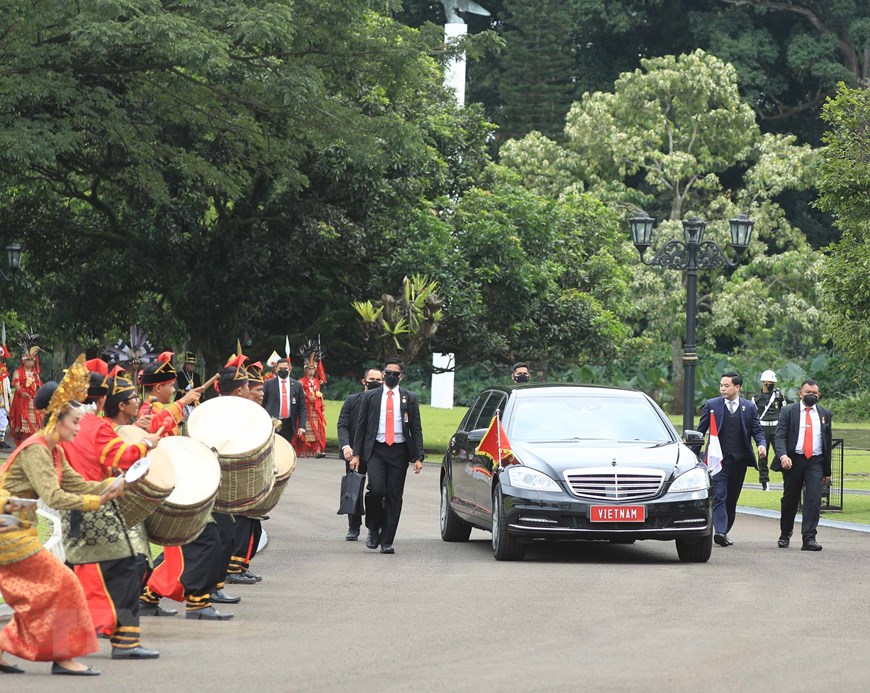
{"x": 845, "y": 191}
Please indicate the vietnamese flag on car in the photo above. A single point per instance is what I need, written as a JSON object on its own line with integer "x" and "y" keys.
{"x": 495, "y": 444}
{"x": 714, "y": 449}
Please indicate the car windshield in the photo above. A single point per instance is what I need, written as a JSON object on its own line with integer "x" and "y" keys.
{"x": 587, "y": 418}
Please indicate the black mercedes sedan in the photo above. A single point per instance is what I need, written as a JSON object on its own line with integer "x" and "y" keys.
{"x": 588, "y": 462}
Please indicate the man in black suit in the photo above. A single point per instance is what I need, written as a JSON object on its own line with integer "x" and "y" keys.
{"x": 737, "y": 426}
{"x": 373, "y": 379}
{"x": 803, "y": 450}
{"x": 387, "y": 439}
{"x": 284, "y": 399}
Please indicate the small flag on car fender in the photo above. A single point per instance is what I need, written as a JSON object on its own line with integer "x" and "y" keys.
{"x": 714, "y": 449}
{"x": 495, "y": 444}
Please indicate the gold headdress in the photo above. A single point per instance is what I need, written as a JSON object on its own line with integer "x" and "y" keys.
{"x": 73, "y": 388}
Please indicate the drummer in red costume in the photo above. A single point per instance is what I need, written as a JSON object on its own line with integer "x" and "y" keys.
{"x": 186, "y": 573}
{"x": 109, "y": 558}
{"x": 234, "y": 381}
{"x": 248, "y": 530}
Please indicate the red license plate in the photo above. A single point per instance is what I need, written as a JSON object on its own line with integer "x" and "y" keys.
{"x": 618, "y": 513}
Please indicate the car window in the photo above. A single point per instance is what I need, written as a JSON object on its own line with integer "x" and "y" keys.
{"x": 578, "y": 417}
{"x": 495, "y": 402}
{"x": 474, "y": 413}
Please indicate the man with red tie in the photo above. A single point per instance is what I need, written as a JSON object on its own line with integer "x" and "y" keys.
{"x": 803, "y": 449}
{"x": 388, "y": 437}
{"x": 284, "y": 399}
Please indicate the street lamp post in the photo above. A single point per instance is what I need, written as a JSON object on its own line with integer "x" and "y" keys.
{"x": 691, "y": 254}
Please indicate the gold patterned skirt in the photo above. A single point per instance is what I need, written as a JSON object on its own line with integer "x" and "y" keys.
{"x": 51, "y": 621}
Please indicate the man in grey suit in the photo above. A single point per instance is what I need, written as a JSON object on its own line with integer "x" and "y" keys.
{"x": 284, "y": 399}
{"x": 387, "y": 439}
{"x": 803, "y": 451}
{"x": 737, "y": 425}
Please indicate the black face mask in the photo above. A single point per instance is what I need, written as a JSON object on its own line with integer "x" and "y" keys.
{"x": 283, "y": 372}
{"x": 391, "y": 380}
{"x": 810, "y": 400}
{"x": 373, "y": 384}
{"x": 522, "y": 378}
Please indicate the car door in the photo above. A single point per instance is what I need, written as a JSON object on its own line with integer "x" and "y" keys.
{"x": 460, "y": 457}
{"x": 483, "y": 466}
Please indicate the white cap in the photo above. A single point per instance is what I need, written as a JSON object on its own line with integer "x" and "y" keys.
{"x": 768, "y": 377}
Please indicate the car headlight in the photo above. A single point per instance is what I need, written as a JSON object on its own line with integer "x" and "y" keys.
{"x": 695, "y": 479}
{"x": 531, "y": 479}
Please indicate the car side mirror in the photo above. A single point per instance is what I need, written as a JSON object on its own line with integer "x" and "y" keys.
{"x": 476, "y": 435}
{"x": 693, "y": 438}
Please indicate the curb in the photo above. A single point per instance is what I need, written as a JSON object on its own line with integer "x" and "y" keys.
{"x": 833, "y": 524}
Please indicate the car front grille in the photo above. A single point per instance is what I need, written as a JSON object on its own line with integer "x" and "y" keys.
{"x": 612, "y": 484}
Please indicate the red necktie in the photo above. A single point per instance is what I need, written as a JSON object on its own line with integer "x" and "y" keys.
{"x": 389, "y": 433}
{"x": 808, "y": 436}
{"x": 285, "y": 410}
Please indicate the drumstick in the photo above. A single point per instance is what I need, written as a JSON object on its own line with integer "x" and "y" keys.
{"x": 205, "y": 385}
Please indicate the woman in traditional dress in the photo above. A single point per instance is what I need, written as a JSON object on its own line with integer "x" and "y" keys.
{"x": 51, "y": 622}
{"x": 315, "y": 434}
{"x": 23, "y": 417}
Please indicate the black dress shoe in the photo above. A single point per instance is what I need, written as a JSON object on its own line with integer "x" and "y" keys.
{"x": 387, "y": 548}
{"x": 10, "y": 669}
{"x": 256, "y": 578}
{"x": 58, "y": 670}
{"x": 811, "y": 545}
{"x": 221, "y": 597}
{"x": 155, "y": 610}
{"x": 137, "y": 652}
{"x": 373, "y": 539}
{"x": 783, "y": 542}
{"x": 240, "y": 579}
{"x": 722, "y": 539}
{"x": 209, "y": 613}
{"x": 352, "y": 535}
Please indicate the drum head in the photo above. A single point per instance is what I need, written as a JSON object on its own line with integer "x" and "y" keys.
{"x": 131, "y": 434}
{"x": 230, "y": 425}
{"x": 161, "y": 472}
{"x": 285, "y": 457}
{"x": 197, "y": 471}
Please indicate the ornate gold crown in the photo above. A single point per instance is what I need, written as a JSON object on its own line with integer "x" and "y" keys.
{"x": 73, "y": 388}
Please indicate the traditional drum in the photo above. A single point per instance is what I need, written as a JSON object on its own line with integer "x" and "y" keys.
{"x": 145, "y": 496}
{"x": 285, "y": 465}
{"x": 186, "y": 511}
{"x": 242, "y": 434}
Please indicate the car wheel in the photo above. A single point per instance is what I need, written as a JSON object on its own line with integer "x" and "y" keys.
{"x": 695, "y": 550}
{"x": 453, "y": 528}
{"x": 504, "y": 546}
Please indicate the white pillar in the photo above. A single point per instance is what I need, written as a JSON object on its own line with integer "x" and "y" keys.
{"x": 454, "y": 72}
{"x": 442, "y": 383}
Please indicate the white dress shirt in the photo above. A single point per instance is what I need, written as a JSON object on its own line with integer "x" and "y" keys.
{"x": 817, "y": 430}
{"x": 397, "y": 417}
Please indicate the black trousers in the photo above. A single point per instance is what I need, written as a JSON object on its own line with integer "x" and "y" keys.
{"x": 226, "y": 526}
{"x": 246, "y": 537}
{"x": 200, "y": 570}
{"x": 387, "y": 469}
{"x": 804, "y": 472}
{"x": 727, "y": 485}
{"x": 763, "y": 466}
{"x": 287, "y": 430}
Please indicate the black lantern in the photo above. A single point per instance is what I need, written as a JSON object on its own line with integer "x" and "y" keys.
{"x": 741, "y": 232}
{"x": 642, "y": 231}
{"x": 693, "y": 231}
{"x": 13, "y": 255}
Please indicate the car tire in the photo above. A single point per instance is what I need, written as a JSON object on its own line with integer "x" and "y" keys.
{"x": 453, "y": 528}
{"x": 504, "y": 546}
{"x": 695, "y": 550}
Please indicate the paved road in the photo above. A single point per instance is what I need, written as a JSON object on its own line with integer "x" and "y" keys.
{"x": 333, "y": 616}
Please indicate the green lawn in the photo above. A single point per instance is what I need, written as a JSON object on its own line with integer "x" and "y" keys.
{"x": 855, "y": 508}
